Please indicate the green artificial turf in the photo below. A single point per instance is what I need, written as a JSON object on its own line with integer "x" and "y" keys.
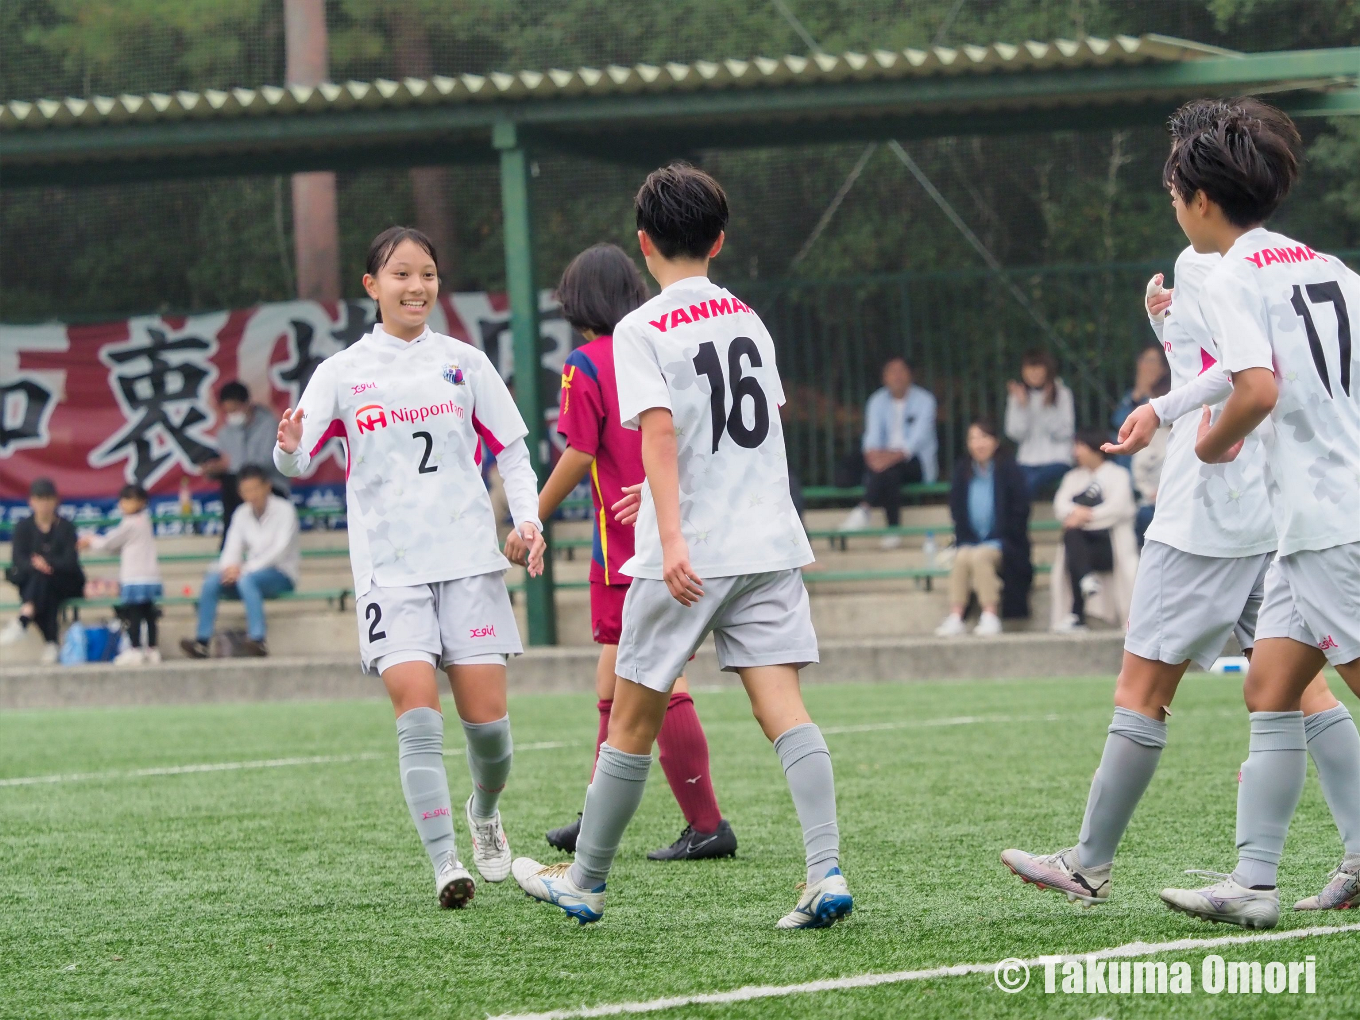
{"x": 302, "y": 891}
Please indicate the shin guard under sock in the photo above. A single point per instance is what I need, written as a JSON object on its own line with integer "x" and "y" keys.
{"x": 807, "y": 766}
{"x": 684, "y": 758}
{"x": 611, "y": 802}
{"x": 420, "y": 757}
{"x": 1267, "y": 794}
{"x": 490, "y": 751}
{"x": 1132, "y": 750}
{"x": 1335, "y": 746}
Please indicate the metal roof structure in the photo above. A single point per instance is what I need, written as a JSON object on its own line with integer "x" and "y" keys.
{"x": 648, "y": 111}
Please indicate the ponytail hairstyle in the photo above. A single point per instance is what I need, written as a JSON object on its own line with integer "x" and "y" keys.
{"x": 1242, "y": 153}
{"x": 1040, "y": 357}
{"x": 599, "y": 287}
{"x": 381, "y": 249}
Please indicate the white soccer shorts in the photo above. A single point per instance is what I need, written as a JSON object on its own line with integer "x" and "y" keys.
{"x": 1313, "y": 597}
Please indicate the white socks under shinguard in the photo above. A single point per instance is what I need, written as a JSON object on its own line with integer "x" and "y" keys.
{"x": 807, "y": 766}
{"x": 420, "y": 757}
{"x": 1132, "y": 750}
{"x": 1272, "y": 782}
{"x": 489, "y": 753}
{"x": 1335, "y": 746}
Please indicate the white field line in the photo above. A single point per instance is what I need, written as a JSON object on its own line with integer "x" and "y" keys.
{"x": 957, "y": 720}
{"x": 237, "y": 766}
{"x": 750, "y": 992}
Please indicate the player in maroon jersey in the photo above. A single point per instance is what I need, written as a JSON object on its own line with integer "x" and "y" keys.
{"x": 599, "y": 287}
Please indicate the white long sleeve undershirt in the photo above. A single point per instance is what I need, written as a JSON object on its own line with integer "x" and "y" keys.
{"x": 521, "y": 484}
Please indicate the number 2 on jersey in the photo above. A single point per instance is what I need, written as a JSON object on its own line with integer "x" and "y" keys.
{"x": 707, "y": 362}
{"x": 1318, "y": 294}
{"x": 425, "y": 468}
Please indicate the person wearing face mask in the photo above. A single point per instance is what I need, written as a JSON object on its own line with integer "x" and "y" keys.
{"x": 247, "y": 436}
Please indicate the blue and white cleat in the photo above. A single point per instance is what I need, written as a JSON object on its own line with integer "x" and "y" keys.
{"x": 822, "y": 905}
{"x": 552, "y": 884}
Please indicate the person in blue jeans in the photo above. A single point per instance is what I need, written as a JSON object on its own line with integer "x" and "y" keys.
{"x": 260, "y": 560}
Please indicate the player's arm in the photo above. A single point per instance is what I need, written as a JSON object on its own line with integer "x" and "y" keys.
{"x": 571, "y": 468}
{"x": 1209, "y": 387}
{"x": 660, "y": 459}
{"x": 1253, "y": 398}
{"x": 303, "y": 429}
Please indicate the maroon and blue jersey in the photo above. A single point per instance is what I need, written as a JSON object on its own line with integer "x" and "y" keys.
{"x": 589, "y": 419}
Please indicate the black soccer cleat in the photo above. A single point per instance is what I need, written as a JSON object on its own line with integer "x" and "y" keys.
{"x": 699, "y": 846}
{"x": 564, "y": 839}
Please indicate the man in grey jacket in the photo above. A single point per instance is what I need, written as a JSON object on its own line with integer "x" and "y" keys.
{"x": 247, "y": 436}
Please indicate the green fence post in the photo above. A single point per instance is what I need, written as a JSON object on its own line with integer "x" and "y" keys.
{"x": 519, "y": 281}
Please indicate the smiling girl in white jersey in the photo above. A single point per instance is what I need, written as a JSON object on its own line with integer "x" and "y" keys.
{"x": 414, "y": 407}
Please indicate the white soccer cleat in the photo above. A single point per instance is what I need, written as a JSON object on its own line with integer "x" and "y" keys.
{"x": 490, "y": 848}
{"x": 1226, "y": 901}
{"x": 856, "y": 520}
{"x": 552, "y": 884}
{"x": 1342, "y": 891}
{"x": 822, "y": 904}
{"x": 453, "y": 884}
{"x": 988, "y": 625}
{"x": 1062, "y": 872}
{"x": 12, "y": 633}
{"x": 952, "y": 626}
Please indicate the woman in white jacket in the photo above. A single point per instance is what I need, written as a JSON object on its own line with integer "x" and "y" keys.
{"x": 1041, "y": 420}
{"x": 1096, "y": 507}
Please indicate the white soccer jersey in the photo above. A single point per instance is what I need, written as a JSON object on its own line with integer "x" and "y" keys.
{"x": 1206, "y": 509}
{"x": 411, "y": 414}
{"x": 1275, "y": 303}
{"x": 701, "y": 353}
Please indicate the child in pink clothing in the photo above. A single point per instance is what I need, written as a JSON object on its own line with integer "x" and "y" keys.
{"x": 139, "y": 573}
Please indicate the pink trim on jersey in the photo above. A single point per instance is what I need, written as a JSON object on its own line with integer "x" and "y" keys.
{"x": 1206, "y": 360}
{"x": 335, "y": 430}
{"x": 492, "y": 443}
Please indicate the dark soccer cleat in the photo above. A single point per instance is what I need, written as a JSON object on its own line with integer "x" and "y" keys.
{"x": 564, "y": 839}
{"x": 699, "y": 846}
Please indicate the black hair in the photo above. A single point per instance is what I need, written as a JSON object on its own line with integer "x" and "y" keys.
{"x": 1043, "y": 358}
{"x": 599, "y": 287}
{"x": 133, "y": 491}
{"x": 1242, "y": 153}
{"x": 252, "y": 471}
{"x": 42, "y": 488}
{"x": 903, "y": 359}
{"x": 682, "y": 209}
{"x": 987, "y": 424}
{"x": 233, "y": 391}
{"x": 382, "y": 247}
{"x": 1092, "y": 438}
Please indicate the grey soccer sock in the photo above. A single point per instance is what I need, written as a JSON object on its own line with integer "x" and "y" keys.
{"x": 420, "y": 757}
{"x": 1269, "y": 791}
{"x": 489, "y": 753}
{"x": 807, "y": 767}
{"x": 611, "y": 801}
{"x": 1132, "y": 750}
{"x": 1335, "y": 746}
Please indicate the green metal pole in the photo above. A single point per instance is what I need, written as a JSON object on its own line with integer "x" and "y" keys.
{"x": 519, "y": 280}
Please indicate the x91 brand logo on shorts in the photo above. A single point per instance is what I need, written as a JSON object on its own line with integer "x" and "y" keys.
{"x": 488, "y": 631}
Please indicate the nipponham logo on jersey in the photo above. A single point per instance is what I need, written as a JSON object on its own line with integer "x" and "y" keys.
{"x": 370, "y": 417}
{"x": 453, "y": 374}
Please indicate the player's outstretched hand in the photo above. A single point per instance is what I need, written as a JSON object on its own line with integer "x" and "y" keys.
{"x": 684, "y": 584}
{"x": 1136, "y": 432}
{"x": 290, "y": 430}
{"x": 515, "y": 549}
{"x": 1158, "y": 297}
{"x": 626, "y": 509}
{"x": 1205, "y": 425}
{"x": 536, "y": 545}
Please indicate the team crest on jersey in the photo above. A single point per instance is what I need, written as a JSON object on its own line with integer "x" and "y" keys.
{"x": 453, "y": 374}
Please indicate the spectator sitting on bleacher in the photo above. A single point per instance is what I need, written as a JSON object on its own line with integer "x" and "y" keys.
{"x": 139, "y": 574}
{"x": 247, "y": 437}
{"x": 260, "y": 560}
{"x": 1095, "y": 505}
{"x": 1040, "y": 420}
{"x": 45, "y": 569}
{"x": 899, "y": 447}
{"x": 989, "y": 503}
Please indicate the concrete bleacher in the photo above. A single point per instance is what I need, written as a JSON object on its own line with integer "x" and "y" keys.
{"x": 858, "y": 590}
